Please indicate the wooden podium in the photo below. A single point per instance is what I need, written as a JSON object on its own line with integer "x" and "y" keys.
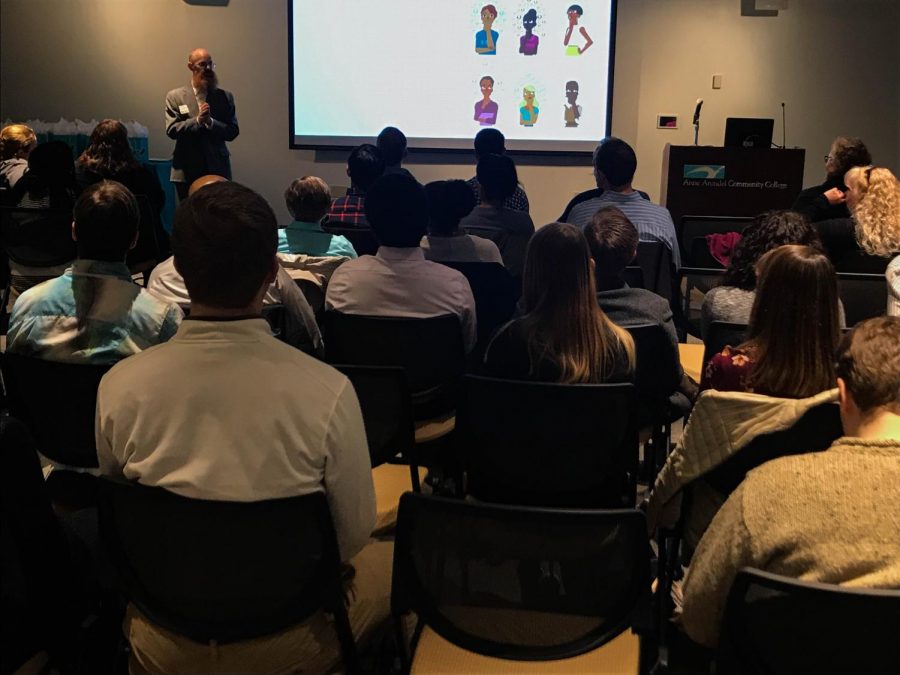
{"x": 710, "y": 181}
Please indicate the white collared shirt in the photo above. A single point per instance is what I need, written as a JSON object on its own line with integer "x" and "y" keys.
{"x": 227, "y": 412}
{"x": 401, "y": 282}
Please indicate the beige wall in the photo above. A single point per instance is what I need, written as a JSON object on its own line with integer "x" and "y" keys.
{"x": 117, "y": 58}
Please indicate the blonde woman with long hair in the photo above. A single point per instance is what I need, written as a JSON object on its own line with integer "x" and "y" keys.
{"x": 873, "y": 196}
{"x": 563, "y": 336}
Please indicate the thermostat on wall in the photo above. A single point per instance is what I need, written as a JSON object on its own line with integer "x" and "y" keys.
{"x": 667, "y": 122}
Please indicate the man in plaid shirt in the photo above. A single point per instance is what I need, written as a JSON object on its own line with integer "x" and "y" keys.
{"x": 492, "y": 142}
{"x": 364, "y": 166}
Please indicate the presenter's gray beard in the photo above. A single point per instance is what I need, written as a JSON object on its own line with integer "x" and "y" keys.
{"x": 212, "y": 82}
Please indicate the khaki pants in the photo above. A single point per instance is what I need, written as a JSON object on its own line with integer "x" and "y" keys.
{"x": 310, "y": 647}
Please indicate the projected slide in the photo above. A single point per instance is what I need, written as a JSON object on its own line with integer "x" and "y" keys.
{"x": 440, "y": 70}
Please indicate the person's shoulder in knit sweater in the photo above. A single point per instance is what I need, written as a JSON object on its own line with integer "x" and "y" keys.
{"x": 830, "y": 517}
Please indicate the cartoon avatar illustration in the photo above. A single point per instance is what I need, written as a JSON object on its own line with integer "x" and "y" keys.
{"x": 528, "y": 43}
{"x": 575, "y": 12}
{"x": 528, "y": 108}
{"x": 486, "y": 109}
{"x": 573, "y": 110}
{"x": 486, "y": 40}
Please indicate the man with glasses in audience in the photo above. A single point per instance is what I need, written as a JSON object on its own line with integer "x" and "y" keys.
{"x": 200, "y": 118}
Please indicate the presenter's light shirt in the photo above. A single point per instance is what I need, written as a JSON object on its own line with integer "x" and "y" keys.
{"x": 311, "y": 239}
{"x": 93, "y": 313}
{"x": 481, "y": 42}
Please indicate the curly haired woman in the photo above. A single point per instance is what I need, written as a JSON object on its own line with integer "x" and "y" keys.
{"x": 873, "y": 196}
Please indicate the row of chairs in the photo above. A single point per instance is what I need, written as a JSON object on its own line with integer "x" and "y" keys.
{"x": 488, "y": 585}
{"x": 861, "y": 283}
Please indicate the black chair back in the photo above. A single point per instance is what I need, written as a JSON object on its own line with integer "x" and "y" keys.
{"x": 148, "y": 251}
{"x": 386, "y": 403}
{"x": 430, "y": 350}
{"x": 37, "y": 237}
{"x": 864, "y": 296}
{"x": 536, "y": 443}
{"x": 701, "y": 256}
{"x": 655, "y": 260}
{"x": 495, "y": 292}
{"x": 223, "y": 571}
{"x": 519, "y": 583}
{"x": 275, "y": 315}
{"x": 57, "y": 402}
{"x": 720, "y": 335}
{"x": 633, "y": 275}
{"x": 362, "y": 238}
{"x": 775, "y": 625}
{"x": 861, "y": 262}
{"x": 656, "y": 373}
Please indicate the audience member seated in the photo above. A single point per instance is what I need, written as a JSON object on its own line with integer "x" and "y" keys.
{"x": 16, "y": 143}
{"x": 391, "y": 143}
{"x": 563, "y": 335}
{"x": 250, "y": 419}
{"x": 793, "y": 331}
{"x": 449, "y": 201}
{"x": 493, "y": 142}
{"x": 732, "y": 299}
{"x": 613, "y": 241}
{"x": 49, "y": 183}
{"x": 828, "y": 200}
{"x": 874, "y": 198}
{"x": 94, "y": 312}
{"x": 510, "y": 230}
{"x": 364, "y": 166}
{"x": 398, "y": 280}
{"x": 308, "y": 199}
{"x": 614, "y": 167}
{"x": 301, "y": 329}
{"x": 109, "y": 157}
{"x": 828, "y": 517}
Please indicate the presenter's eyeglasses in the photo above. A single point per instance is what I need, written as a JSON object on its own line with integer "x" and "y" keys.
{"x": 828, "y": 158}
{"x": 203, "y": 65}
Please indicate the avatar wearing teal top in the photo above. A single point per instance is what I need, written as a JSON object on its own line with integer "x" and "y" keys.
{"x": 311, "y": 239}
{"x": 481, "y": 42}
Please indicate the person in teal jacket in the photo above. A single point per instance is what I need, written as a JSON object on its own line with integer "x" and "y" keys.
{"x": 308, "y": 199}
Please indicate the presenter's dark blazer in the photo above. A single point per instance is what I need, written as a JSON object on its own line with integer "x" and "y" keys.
{"x": 198, "y": 150}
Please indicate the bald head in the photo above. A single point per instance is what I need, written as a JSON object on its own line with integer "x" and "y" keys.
{"x": 203, "y": 69}
{"x": 203, "y": 181}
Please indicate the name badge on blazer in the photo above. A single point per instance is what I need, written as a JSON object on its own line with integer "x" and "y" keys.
{"x": 184, "y": 110}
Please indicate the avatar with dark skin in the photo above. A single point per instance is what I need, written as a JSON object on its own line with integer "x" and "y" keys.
{"x": 486, "y": 109}
{"x": 573, "y": 110}
{"x": 575, "y": 12}
{"x": 528, "y": 43}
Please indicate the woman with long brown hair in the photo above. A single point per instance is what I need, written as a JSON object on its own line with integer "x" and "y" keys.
{"x": 794, "y": 330}
{"x": 109, "y": 157}
{"x": 563, "y": 336}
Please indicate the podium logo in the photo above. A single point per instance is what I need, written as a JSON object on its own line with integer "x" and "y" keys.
{"x": 704, "y": 171}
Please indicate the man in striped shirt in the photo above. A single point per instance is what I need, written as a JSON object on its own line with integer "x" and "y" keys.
{"x": 614, "y": 167}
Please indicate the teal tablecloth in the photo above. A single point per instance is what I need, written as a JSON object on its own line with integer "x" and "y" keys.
{"x": 163, "y": 168}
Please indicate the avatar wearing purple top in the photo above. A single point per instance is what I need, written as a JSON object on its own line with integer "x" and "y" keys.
{"x": 486, "y": 109}
{"x": 528, "y": 43}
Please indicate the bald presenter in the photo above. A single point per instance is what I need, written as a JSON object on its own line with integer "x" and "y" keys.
{"x": 200, "y": 118}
